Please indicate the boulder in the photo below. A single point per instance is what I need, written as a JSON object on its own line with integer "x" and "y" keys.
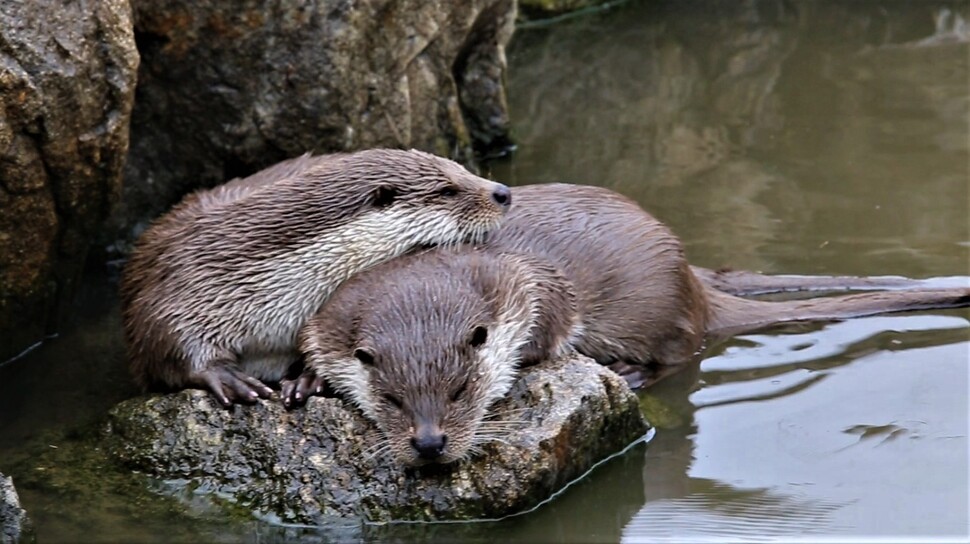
{"x": 227, "y": 88}
{"x": 67, "y": 77}
{"x": 13, "y": 518}
{"x": 312, "y": 464}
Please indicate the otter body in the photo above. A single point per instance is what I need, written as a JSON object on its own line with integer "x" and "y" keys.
{"x": 216, "y": 290}
{"x": 643, "y": 308}
{"x": 571, "y": 267}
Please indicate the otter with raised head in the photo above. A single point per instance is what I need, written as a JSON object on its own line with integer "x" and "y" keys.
{"x": 216, "y": 290}
{"x": 425, "y": 344}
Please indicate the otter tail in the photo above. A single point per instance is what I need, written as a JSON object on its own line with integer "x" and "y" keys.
{"x": 744, "y": 283}
{"x": 732, "y": 315}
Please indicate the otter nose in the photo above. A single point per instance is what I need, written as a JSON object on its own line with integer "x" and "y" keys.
{"x": 430, "y": 446}
{"x": 502, "y": 196}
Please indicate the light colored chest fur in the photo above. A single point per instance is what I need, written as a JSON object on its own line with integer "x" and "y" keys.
{"x": 268, "y": 299}
{"x": 499, "y": 356}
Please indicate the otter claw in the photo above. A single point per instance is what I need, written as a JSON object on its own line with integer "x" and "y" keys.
{"x": 295, "y": 392}
{"x": 229, "y": 385}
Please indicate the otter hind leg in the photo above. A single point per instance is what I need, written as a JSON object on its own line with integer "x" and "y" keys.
{"x": 639, "y": 375}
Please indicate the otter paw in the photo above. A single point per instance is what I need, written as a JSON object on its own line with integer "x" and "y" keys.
{"x": 230, "y": 385}
{"x": 295, "y": 392}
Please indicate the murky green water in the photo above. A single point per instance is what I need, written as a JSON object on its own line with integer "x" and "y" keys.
{"x": 788, "y": 137}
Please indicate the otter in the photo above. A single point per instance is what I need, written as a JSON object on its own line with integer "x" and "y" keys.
{"x": 426, "y": 343}
{"x": 215, "y": 291}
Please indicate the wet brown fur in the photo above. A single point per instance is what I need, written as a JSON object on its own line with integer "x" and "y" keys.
{"x": 747, "y": 283}
{"x": 639, "y": 300}
{"x": 399, "y": 341}
{"x": 216, "y": 290}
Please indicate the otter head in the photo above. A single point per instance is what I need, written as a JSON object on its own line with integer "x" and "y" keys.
{"x": 408, "y": 198}
{"x": 423, "y": 352}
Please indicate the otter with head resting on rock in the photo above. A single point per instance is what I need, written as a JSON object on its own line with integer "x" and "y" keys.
{"x": 426, "y": 343}
{"x": 216, "y": 290}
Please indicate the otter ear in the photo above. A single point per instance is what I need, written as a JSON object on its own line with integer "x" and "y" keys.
{"x": 478, "y": 336}
{"x": 365, "y": 356}
{"x": 383, "y": 196}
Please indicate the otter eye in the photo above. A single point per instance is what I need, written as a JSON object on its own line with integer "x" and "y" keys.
{"x": 479, "y": 335}
{"x": 384, "y": 196}
{"x": 394, "y": 400}
{"x": 364, "y": 356}
{"x": 460, "y": 391}
{"x": 448, "y": 191}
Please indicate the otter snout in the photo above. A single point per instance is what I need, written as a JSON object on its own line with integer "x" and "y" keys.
{"x": 502, "y": 196}
{"x": 429, "y": 444}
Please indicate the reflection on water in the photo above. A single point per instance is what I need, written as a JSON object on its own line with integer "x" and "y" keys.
{"x": 785, "y": 136}
{"x": 718, "y": 510}
{"x": 826, "y": 432}
{"x": 760, "y": 130}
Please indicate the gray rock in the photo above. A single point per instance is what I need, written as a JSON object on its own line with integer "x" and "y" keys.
{"x": 227, "y": 88}
{"x": 312, "y": 464}
{"x": 67, "y": 75}
{"x": 13, "y": 518}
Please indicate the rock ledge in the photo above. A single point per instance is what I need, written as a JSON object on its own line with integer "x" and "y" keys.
{"x": 308, "y": 465}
